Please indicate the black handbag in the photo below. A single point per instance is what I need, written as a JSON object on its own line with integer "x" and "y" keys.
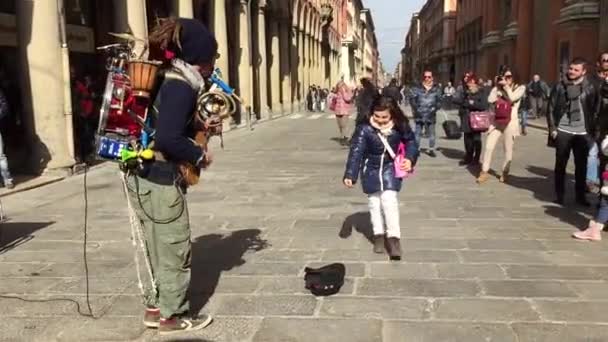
{"x": 325, "y": 281}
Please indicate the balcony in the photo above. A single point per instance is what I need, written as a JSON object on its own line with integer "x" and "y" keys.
{"x": 511, "y": 31}
{"x": 575, "y": 10}
{"x": 492, "y": 38}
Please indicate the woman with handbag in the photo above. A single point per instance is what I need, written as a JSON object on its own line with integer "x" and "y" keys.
{"x": 342, "y": 107}
{"x": 474, "y": 118}
{"x": 373, "y": 153}
{"x": 506, "y": 97}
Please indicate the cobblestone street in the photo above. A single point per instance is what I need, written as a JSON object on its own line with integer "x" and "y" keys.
{"x": 481, "y": 263}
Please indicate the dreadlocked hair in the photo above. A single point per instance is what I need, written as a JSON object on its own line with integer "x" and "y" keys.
{"x": 164, "y": 36}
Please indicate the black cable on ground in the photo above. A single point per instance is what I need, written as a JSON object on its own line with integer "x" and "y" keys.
{"x": 84, "y": 247}
{"x": 88, "y": 314}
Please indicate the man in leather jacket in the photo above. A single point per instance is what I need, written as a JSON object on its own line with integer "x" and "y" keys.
{"x": 571, "y": 120}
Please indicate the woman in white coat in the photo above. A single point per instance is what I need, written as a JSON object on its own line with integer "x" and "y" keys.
{"x": 506, "y": 94}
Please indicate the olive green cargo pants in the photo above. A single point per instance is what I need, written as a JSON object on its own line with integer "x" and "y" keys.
{"x": 163, "y": 214}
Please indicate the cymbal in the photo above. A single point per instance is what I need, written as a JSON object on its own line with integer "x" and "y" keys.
{"x": 126, "y": 36}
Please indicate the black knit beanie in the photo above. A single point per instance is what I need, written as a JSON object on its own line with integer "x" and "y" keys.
{"x": 198, "y": 44}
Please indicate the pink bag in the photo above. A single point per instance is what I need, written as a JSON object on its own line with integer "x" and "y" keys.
{"x": 480, "y": 121}
{"x": 399, "y": 158}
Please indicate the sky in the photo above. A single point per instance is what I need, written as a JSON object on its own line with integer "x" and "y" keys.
{"x": 392, "y": 20}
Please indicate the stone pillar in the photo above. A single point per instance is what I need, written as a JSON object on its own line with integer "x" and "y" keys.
{"x": 285, "y": 65}
{"x": 320, "y": 64}
{"x": 244, "y": 66}
{"x": 345, "y": 65}
{"x": 221, "y": 35}
{"x": 603, "y": 34}
{"x": 303, "y": 88}
{"x": 274, "y": 67}
{"x": 183, "y": 8}
{"x": 295, "y": 60}
{"x": 134, "y": 21}
{"x": 311, "y": 60}
{"x": 42, "y": 84}
{"x": 262, "y": 60}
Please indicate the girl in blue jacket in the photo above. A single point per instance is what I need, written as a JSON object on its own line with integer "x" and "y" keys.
{"x": 385, "y": 127}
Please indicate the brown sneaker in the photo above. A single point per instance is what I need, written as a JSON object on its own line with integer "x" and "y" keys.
{"x": 483, "y": 177}
{"x": 379, "y": 244}
{"x": 152, "y": 317}
{"x": 394, "y": 248}
{"x": 177, "y": 325}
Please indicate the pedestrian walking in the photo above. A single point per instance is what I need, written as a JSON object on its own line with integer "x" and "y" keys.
{"x": 342, "y": 103}
{"x": 538, "y": 93}
{"x": 524, "y": 110}
{"x": 373, "y": 150}
{"x": 571, "y": 121}
{"x": 365, "y": 97}
{"x": 593, "y": 232}
{"x": 5, "y": 112}
{"x": 425, "y": 100}
{"x": 392, "y": 90}
{"x": 506, "y": 97}
{"x": 323, "y": 99}
{"x": 471, "y": 99}
{"x": 598, "y": 79}
{"x": 448, "y": 96}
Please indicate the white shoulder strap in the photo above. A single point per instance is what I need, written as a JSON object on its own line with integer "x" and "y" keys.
{"x": 386, "y": 145}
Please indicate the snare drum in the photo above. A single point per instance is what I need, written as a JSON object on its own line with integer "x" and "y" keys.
{"x": 143, "y": 75}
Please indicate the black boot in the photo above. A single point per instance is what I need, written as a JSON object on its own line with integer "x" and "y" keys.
{"x": 379, "y": 244}
{"x": 394, "y": 248}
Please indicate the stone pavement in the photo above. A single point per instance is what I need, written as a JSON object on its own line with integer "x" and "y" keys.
{"x": 481, "y": 263}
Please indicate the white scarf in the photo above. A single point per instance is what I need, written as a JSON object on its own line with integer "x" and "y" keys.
{"x": 192, "y": 75}
{"x": 385, "y": 130}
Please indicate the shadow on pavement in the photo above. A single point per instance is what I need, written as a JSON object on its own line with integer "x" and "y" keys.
{"x": 13, "y": 234}
{"x": 361, "y": 222}
{"x": 542, "y": 188}
{"x": 451, "y": 153}
{"x": 339, "y": 141}
{"x": 185, "y": 340}
{"x": 215, "y": 253}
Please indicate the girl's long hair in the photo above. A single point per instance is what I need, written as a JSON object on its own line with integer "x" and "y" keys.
{"x": 382, "y": 103}
{"x": 164, "y": 36}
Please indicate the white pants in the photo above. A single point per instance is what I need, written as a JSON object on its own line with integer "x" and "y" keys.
{"x": 385, "y": 202}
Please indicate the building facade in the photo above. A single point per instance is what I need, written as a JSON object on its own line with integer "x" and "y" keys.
{"x": 271, "y": 51}
{"x": 410, "y": 54}
{"x": 437, "y": 37}
{"x": 533, "y": 37}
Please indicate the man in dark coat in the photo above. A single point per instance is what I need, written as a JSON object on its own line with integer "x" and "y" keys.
{"x": 392, "y": 91}
{"x": 365, "y": 97}
{"x": 425, "y": 100}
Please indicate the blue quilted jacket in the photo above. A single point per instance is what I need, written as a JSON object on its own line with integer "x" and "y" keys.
{"x": 425, "y": 104}
{"x": 369, "y": 157}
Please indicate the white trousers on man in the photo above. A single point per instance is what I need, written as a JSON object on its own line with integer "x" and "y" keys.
{"x": 384, "y": 210}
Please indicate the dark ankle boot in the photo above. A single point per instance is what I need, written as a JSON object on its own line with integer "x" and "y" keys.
{"x": 394, "y": 248}
{"x": 379, "y": 244}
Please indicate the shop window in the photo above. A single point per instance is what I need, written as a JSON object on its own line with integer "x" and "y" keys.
{"x": 157, "y": 9}
{"x": 79, "y": 12}
{"x": 564, "y": 58}
{"x": 8, "y": 6}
